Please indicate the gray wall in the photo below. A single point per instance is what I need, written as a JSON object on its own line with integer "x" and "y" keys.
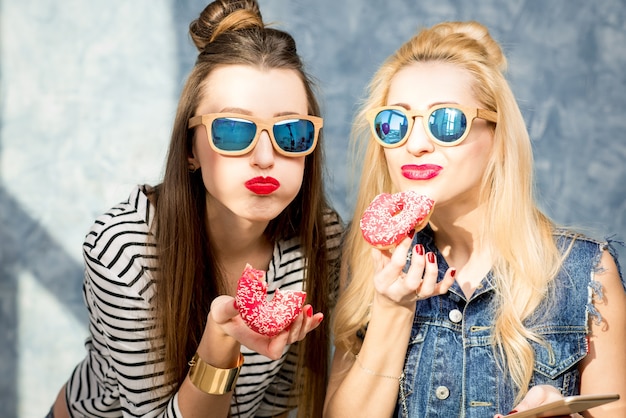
{"x": 88, "y": 93}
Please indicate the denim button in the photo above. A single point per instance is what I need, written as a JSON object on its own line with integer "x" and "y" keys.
{"x": 455, "y": 316}
{"x": 442, "y": 392}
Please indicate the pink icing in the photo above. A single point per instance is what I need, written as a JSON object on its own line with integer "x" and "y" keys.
{"x": 263, "y": 316}
{"x": 390, "y": 217}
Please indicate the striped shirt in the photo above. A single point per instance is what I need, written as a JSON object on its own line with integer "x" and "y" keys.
{"x": 119, "y": 375}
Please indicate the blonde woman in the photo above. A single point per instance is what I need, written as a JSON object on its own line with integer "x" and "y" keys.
{"x": 491, "y": 308}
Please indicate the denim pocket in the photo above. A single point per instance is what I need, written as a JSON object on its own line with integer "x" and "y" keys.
{"x": 562, "y": 349}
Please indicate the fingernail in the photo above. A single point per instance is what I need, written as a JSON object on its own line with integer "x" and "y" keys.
{"x": 512, "y": 412}
{"x": 452, "y": 272}
{"x": 420, "y": 249}
{"x": 309, "y": 311}
{"x": 319, "y": 320}
{"x": 235, "y": 304}
{"x": 411, "y": 233}
{"x": 431, "y": 257}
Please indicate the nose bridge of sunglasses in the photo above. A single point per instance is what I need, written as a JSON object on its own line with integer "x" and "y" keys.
{"x": 426, "y": 127}
{"x": 265, "y": 135}
{"x": 419, "y": 127}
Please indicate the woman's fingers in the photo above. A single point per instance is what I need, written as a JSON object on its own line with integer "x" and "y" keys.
{"x": 418, "y": 271}
{"x": 304, "y": 323}
{"x": 273, "y": 347}
{"x": 537, "y": 396}
{"x": 419, "y": 282}
{"x": 223, "y": 309}
{"x": 442, "y": 287}
{"x": 424, "y": 273}
{"x": 390, "y": 264}
{"x": 430, "y": 286}
{"x": 225, "y": 314}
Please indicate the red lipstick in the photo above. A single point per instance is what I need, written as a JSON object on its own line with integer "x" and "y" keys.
{"x": 262, "y": 185}
{"x": 421, "y": 171}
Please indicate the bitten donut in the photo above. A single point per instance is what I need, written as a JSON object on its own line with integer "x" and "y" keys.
{"x": 263, "y": 316}
{"x": 391, "y": 217}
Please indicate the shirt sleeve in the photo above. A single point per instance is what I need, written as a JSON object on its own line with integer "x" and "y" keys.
{"x": 120, "y": 375}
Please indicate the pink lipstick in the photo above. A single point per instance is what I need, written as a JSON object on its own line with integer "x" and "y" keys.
{"x": 262, "y": 185}
{"x": 421, "y": 171}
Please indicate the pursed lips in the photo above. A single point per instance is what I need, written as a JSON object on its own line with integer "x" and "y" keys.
{"x": 421, "y": 171}
{"x": 262, "y": 185}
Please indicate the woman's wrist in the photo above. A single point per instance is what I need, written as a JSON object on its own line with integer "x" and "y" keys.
{"x": 395, "y": 311}
{"x": 213, "y": 380}
{"x": 215, "y": 367}
{"x": 218, "y": 348}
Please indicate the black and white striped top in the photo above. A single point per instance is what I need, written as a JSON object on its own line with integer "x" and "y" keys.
{"x": 119, "y": 376}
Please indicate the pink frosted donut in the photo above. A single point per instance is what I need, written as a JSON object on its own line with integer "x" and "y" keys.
{"x": 390, "y": 217}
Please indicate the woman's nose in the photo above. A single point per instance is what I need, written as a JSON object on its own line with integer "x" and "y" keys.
{"x": 419, "y": 142}
{"x": 263, "y": 152}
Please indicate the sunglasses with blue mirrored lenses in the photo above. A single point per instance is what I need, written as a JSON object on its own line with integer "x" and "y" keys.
{"x": 235, "y": 134}
{"x": 445, "y": 124}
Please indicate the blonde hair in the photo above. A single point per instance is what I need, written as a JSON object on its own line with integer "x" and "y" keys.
{"x": 525, "y": 257}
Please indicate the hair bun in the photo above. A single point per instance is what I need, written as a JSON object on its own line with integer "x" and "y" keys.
{"x": 222, "y": 16}
{"x": 479, "y": 33}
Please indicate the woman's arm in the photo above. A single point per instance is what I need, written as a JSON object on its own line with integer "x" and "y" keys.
{"x": 368, "y": 385}
{"x": 603, "y": 370}
{"x": 220, "y": 345}
{"x": 59, "y": 408}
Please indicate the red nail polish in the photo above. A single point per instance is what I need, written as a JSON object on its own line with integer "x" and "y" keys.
{"x": 235, "y": 304}
{"x": 319, "y": 320}
{"x": 411, "y": 233}
{"x": 452, "y": 272}
{"x": 512, "y": 412}
{"x": 431, "y": 257}
{"x": 309, "y": 311}
{"x": 420, "y": 249}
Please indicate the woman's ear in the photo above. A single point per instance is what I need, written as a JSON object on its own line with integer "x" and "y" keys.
{"x": 194, "y": 164}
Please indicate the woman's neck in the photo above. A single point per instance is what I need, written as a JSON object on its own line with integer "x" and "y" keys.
{"x": 238, "y": 242}
{"x": 459, "y": 238}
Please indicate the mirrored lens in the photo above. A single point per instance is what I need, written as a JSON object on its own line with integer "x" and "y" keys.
{"x": 232, "y": 134}
{"x": 447, "y": 124}
{"x": 391, "y": 125}
{"x": 294, "y": 135}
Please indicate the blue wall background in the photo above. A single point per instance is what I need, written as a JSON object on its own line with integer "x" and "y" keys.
{"x": 88, "y": 92}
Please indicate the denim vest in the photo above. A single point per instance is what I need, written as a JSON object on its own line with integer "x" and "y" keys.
{"x": 451, "y": 369}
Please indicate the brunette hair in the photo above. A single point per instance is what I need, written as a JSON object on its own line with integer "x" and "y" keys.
{"x": 188, "y": 273}
{"x": 526, "y": 257}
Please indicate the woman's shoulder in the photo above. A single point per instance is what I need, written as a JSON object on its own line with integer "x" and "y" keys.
{"x": 569, "y": 240}
{"x": 584, "y": 253}
{"x": 569, "y": 236}
{"x": 334, "y": 227}
{"x": 122, "y": 232}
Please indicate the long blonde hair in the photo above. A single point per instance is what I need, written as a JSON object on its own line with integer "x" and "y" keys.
{"x": 525, "y": 256}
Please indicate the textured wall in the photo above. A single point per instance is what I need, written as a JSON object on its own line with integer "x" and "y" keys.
{"x": 88, "y": 92}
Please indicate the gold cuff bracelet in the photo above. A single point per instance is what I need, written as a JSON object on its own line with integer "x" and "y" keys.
{"x": 210, "y": 379}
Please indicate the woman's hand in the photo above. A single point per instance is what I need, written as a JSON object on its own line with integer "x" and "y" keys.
{"x": 419, "y": 282}
{"x": 225, "y": 315}
{"x": 537, "y": 396}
